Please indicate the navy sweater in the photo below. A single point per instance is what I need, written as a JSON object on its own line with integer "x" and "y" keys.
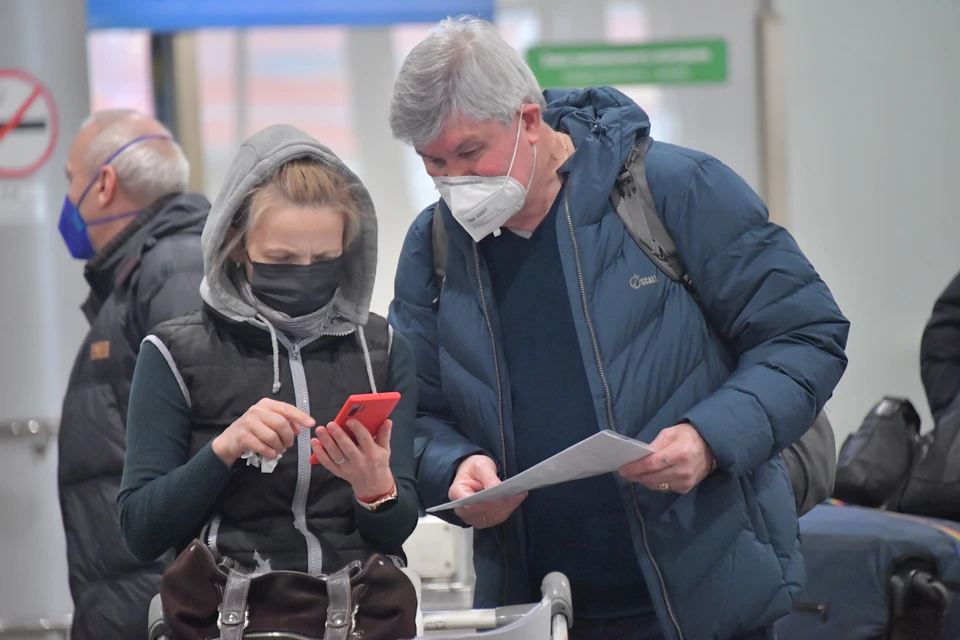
{"x": 579, "y": 528}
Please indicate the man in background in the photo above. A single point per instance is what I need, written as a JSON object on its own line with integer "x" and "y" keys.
{"x": 940, "y": 351}
{"x": 126, "y": 215}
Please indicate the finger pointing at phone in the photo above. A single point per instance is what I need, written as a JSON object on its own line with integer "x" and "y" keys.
{"x": 268, "y": 428}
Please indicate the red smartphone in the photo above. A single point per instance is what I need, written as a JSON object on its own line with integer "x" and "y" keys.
{"x": 370, "y": 409}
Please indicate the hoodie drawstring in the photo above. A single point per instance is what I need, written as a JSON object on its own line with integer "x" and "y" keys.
{"x": 276, "y": 352}
{"x": 366, "y": 359}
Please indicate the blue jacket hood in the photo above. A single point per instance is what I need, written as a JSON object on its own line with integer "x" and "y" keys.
{"x": 597, "y": 113}
{"x": 604, "y": 105}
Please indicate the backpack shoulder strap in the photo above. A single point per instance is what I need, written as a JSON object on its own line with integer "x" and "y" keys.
{"x": 439, "y": 234}
{"x": 634, "y": 204}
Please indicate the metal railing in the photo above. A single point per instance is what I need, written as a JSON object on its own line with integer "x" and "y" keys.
{"x": 59, "y": 625}
{"x": 39, "y": 430}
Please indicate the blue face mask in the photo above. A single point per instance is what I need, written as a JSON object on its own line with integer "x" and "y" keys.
{"x": 73, "y": 228}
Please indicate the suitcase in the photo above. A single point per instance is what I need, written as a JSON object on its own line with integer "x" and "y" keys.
{"x": 876, "y": 575}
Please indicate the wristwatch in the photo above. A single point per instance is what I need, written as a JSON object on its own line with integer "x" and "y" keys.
{"x": 378, "y": 504}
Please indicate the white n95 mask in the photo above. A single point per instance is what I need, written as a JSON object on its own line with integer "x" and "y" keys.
{"x": 484, "y": 204}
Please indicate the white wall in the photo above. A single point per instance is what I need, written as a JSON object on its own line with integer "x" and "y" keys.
{"x": 874, "y": 176}
{"x": 719, "y": 119}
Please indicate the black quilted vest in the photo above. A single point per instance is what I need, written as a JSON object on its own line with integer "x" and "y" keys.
{"x": 300, "y": 517}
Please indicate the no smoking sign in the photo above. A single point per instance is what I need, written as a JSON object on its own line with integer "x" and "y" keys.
{"x": 28, "y": 124}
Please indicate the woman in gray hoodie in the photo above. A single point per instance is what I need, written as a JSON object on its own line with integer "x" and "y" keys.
{"x": 229, "y": 403}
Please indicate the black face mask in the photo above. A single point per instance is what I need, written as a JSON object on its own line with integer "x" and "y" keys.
{"x": 296, "y": 289}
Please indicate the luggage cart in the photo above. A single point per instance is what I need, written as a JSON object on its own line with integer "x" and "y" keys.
{"x": 549, "y": 619}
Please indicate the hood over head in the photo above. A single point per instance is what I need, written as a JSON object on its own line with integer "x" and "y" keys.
{"x": 258, "y": 159}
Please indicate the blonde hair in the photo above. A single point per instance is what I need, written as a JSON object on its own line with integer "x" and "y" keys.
{"x": 302, "y": 182}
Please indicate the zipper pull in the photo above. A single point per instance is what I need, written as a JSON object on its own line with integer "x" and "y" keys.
{"x": 812, "y": 607}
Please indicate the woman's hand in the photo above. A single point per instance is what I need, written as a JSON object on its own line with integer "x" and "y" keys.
{"x": 268, "y": 428}
{"x": 365, "y": 464}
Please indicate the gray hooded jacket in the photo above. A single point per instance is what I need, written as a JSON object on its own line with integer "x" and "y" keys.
{"x": 261, "y": 156}
{"x": 216, "y": 363}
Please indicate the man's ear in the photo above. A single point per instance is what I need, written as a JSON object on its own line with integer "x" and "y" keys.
{"x": 532, "y": 122}
{"x": 106, "y": 187}
{"x": 239, "y": 252}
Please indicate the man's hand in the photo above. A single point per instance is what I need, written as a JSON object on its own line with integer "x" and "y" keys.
{"x": 475, "y": 474}
{"x": 681, "y": 462}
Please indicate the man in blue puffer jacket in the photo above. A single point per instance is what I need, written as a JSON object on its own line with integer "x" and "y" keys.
{"x": 553, "y": 324}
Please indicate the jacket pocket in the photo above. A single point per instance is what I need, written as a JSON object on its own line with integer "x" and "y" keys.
{"x": 752, "y": 507}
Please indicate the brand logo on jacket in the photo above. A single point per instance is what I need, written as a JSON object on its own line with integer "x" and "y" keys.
{"x": 638, "y": 281}
{"x": 100, "y": 350}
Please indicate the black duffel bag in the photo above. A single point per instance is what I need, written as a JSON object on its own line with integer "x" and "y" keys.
{"x": 933, "y": 488}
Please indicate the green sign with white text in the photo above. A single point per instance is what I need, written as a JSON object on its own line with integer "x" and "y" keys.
{"x": 579, "y": 66}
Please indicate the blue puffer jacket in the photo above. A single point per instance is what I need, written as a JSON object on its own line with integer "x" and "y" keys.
{"x": 750, "y": 371}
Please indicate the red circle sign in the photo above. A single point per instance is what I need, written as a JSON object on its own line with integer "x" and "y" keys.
{"x": 28, "y": 124}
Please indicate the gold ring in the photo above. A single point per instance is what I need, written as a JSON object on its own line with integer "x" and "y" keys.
{"x": 665, "y": 487}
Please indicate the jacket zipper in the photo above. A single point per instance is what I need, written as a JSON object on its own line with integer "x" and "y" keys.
{"x": 496, "y": 370}
{"x": 496, "y": 362}
{"x": 209, "y": 532}
{"x": 610, "y": 417}
{"x": 299, "y": 506}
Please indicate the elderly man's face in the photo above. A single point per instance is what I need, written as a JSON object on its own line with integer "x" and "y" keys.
{"x": 101, "y": 186}
{"x": 466, "y": 148}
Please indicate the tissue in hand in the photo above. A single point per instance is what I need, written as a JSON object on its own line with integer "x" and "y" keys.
{"x": 256, "y": 460}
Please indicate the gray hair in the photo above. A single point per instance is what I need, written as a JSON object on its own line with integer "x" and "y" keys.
{"x": 462, "y": 68}
{"x": 148, "y": 170}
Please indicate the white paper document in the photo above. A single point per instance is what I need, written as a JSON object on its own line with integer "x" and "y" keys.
{"x": 601, "y": 453}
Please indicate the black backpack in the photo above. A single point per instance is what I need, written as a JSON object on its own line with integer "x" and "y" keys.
{"x": 811, "y": 461}
{"x": 876, "y": 460}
